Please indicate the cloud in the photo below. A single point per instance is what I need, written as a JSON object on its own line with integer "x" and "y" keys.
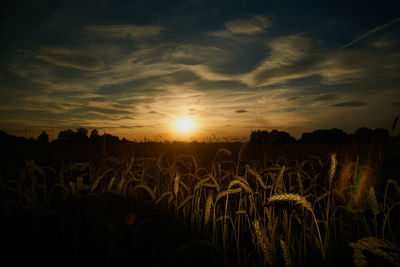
{"x": 125, "y": 31}
{"x": 70, "y": 58}
{"x": 386, "y": 41}
{"x": 193, "y": 54}
{"x": 290, "y": 58}
{"x": 376, "y": 29}
{"x": 296, "y": 57}
{"x": 253, "y": 25}
{"x": 133, "y": 87}
{"x": 206, "y": 73}
{"x": 241, "y": 111}
{"x": 325, "y": 97}
{"x": 129, "y": 126}
{"x": 350, "y": 104}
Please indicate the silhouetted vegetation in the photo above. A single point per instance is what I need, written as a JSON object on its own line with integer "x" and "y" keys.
{"x": 43, "y": 138}
{"x": 325, "y": 136}
{"x": 274, "y": 137}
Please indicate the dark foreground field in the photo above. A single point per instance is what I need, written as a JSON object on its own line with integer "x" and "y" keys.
{"x": 220, "y": 204}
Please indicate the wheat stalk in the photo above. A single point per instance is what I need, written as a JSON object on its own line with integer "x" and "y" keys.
{"x": 200, "y": 183}
{"x": 227, "y": 192}
{"x": 215, "y": 182}
{"x": 110, "y": 184}
{"x": 262, "y": 242}
{"x": 286, "y": 253}
{"x": 176, "y": 184}
{"x": 376, "y": 246}
{"x": 207, "y": 212}
{"x": 96, "y": 183}
{"x": 372, "y": 202}
{"x": 183, "y": 203}
{"x": 297, "y": 199}
{"x": 332, "y": 169}
{"x": 120, "y": 184}
{"x": 279, "y": 180}
{"x": 146, "y": 188}
{"x": 242, "y": 183}
{"x": 300, "y": 181}
{"x": 258, "y": 177}
{"x": 168, "y": 193}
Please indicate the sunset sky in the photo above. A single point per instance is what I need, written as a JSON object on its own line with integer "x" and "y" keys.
{"x": 135, "y": 68}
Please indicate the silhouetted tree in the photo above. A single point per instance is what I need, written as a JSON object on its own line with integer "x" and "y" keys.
{"x": 258, "y": 137}
{"x": 381, "y": 135}
{"x": 274, "y": 137}
{"x": 110, "y": 139}
{"x": 81, "y": 136}
{"x": 94, "y": 136}
{"x": 369, "y": 136}
{"x": 326, "y": 136}
{"x": 43, "y": 138}
{"x": 278, "y": 137}
{"x": 66, "y": 136}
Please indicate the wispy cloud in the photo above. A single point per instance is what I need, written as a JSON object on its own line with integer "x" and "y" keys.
{"x": 70, "y": 58}
{"x": 326, "y": 97}
{"x": 350, "y": 104}
{"x": 296, "y": 57}
{"x": 374, "y": 30}
{"x": 124, "y": 31}
{"x": 193, "y": 54}
{"x": 253, "y": 25}
{"x": 242, "y": 29}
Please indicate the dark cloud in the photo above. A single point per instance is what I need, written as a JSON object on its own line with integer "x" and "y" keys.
{"x": 126, "y": 118}
{"x": 291, "y": 109}
{"x": 130, "y": 126}
{"x": 350, "y": 104}
{"x": 136, "y": 100}
{"x": 107, "y": 111}
{"x": 98, "y": 99}
{"x": 241, "y": 111}
{"x": 326, "y": 97}
{"x": 124, "y": 31}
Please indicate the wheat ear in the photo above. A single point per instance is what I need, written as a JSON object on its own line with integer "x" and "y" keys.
{"x": 376, "y": 246}
{"x": 262, "y": 242}
{"x": 297, "y": 199}
{"x": 207, "y": 212}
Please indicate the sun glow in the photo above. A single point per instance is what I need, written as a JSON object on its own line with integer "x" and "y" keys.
{"x": 185, "y": 124}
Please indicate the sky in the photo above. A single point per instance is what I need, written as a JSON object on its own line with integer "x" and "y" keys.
{"x": 135, "y": 68}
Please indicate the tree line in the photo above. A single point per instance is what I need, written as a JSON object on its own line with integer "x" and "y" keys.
{"x": 326, "y": 136}
{"x": 79, "y": 136}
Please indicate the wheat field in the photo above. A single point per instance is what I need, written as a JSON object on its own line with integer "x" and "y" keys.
{"x": 233, "y": 211}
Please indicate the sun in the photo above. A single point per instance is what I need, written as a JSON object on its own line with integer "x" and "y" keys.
{"x": 185, "y": 124}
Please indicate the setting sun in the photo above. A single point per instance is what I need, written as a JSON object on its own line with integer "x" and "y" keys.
{"x": 185, "y": 124}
